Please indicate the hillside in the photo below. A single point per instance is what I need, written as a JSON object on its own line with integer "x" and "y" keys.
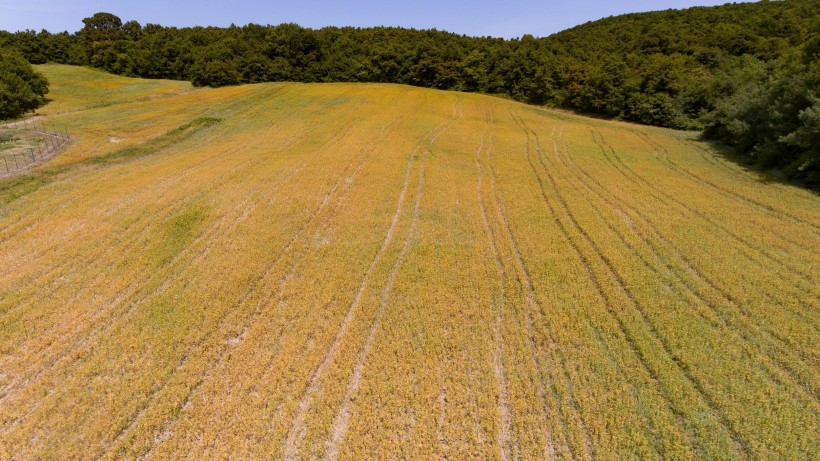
{"x": 373, "y": 271}
{"x": 662, "y": 68}
{"x": 744, "y": 73}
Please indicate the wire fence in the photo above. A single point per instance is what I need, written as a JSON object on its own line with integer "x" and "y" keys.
{"x": 21, "y": 159}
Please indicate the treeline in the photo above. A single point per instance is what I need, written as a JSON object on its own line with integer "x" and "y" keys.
{"x": 674, "y": 68}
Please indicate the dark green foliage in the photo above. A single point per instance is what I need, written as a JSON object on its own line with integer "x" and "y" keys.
{"x": 215, "y": 72}
{"x": 102, "y": 27}
{"x": 21, "y": 88}
{"x": 662, "y": 68}
{"x": 773, "y": 120}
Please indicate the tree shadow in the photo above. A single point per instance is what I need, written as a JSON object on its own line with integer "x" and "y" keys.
{"x": 762, "y": 174}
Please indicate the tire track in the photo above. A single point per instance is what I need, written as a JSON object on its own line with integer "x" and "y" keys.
{"x": 289, "y": 448}
{"x": 710, "y": 158}
{"x": 341, "y": 421}
{"x": 731, "y": 195}
{"x": 741, "y": 444}
{"x": 441, "y": 440}
{"x": 728, "y": 193}
{"x": 749, "y": 248}
{"x": 587, "y": 448}
{"x": 509, "y": 449}
{"x": 773, "y": 365}
{"x": 269, "y": 194}
{"x": 163, "y": 432}
{"x": 680, "y": 418}
{"x": 280, "y": 294}
{"x": 688, "y": 263}
{"x": 634, "y": 177}
{"x": 739, "y": 171}
{"x": 214, "y": 230}
{"x": 207, "y": 237}
{"x": 747, "y": 327}
{"x": 228, "y": 315}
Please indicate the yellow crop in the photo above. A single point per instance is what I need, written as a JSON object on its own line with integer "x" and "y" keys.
{"x": 355, "y": 271}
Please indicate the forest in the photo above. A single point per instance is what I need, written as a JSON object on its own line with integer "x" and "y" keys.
{"x": 743, "y": 73}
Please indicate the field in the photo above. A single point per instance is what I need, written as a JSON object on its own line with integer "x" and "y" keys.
{"x": 355, "y": 271}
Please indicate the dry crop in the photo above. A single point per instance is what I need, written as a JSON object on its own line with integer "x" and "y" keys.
{"x": 350, "y": 271}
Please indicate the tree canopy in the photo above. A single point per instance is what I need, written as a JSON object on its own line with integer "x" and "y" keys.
{"x": 773, "y": 120}
{"x": 21, "y": 88}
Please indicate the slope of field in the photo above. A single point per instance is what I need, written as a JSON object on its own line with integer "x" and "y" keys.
{"x": 340, "y": 271}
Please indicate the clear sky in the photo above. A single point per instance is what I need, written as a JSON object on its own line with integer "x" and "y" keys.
{"x": 499, "y": 18}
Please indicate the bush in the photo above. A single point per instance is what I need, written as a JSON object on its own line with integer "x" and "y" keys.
{"x": 215, "y": 74}
{"x": 653, "y": 109}
{"x": 21, "y": 88}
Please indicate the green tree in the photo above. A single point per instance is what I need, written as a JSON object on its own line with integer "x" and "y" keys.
{"x": 21, "y": 88}
{"x": 773, "y": 121}
{"x": 98, "y": 37}
{"x": 102, "y": 27}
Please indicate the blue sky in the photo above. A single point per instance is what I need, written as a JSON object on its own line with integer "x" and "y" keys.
{"x": 499, "y": 18}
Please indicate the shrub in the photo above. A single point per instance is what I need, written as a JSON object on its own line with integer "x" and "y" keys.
{"x": 21, "y": 88}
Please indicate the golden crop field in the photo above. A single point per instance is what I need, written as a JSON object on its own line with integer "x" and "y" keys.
{"x": 357, "y": 271}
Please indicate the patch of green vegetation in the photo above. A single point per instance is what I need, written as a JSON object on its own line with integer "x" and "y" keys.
{"x": 19, "y": 139}
{"x": 166, "y": 315}
{"x": 16, "y": 187}
{"x": 155, "y": 145}
{"x": 179, "y": 232}
{"x": 10, "y": 324}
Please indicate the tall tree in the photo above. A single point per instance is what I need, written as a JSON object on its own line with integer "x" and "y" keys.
{"x": 21, "y": 88}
